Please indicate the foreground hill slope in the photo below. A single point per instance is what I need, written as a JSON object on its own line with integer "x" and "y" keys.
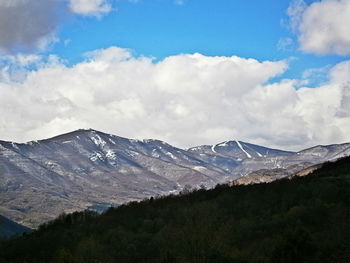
{"x": 302, "y": 219}
{"x": 90, "y": 169}
{"x": 9, "y": 228}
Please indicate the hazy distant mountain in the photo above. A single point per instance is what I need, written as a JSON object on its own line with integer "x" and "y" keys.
{"x": 90, "y": 169}
{"x": 270, "y": 175}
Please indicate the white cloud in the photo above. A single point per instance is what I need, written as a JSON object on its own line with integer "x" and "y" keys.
{"x": 323, "y": 27}
{"x": 316, "y": 76}
{"x": 22, "y": 60}
{"x": 90, "y": 7}
{"x": 295, "y": 12}
{"x": 185, "y": 100}
{"x": 285, "y": 44}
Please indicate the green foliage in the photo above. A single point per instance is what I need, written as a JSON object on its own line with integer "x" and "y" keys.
{"x": 304, "y": 219}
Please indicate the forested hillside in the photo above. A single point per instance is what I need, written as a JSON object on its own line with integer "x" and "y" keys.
{"x": 304, "y": 219}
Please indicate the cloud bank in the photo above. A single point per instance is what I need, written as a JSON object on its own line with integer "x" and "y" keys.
{"x": 323, "y": 27}
{"x": 187, "y": 100}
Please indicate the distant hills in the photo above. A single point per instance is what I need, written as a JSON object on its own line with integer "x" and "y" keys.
{"x": 91, "y": 169}
{"x": 298, "y": 219}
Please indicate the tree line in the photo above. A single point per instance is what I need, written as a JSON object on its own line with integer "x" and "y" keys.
{"x": 303, "y": 219}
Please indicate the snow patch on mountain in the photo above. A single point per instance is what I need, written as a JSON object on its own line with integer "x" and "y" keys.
{"x": 259, "y": 154}
{"x": 111, "y": 155}
{"x": 241, "y": 147}
{"x": 14, "y": 146}
{"x": 155, "y": 154}
{"x": 97, "y": 156}
{"x": 171, "y": 155}
{"x": 98, "y": 140}
{"x": 111, "y": 141}
{"x": 223, "y": 144}
{"x": 199, "y": 168}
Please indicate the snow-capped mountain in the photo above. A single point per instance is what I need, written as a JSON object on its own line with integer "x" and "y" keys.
{"x": 238, "y": 150}
{"x": 91, "y": 169}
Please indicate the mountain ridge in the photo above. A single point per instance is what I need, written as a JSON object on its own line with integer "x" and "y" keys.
{"x": 87, "y": 168}
{"x": 150, "y": 139}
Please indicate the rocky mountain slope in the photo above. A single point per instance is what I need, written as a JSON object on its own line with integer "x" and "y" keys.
{"x": 90, "y": 169}
{"x": 270, "y": 175}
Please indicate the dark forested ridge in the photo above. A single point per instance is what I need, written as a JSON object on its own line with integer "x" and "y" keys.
{"x": 304, "y": 219}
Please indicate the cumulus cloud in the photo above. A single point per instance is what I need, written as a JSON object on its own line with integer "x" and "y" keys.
{"x": 90, "y": 7}
{"x": 323, "y": 27}
{"x": 187, "y": 100}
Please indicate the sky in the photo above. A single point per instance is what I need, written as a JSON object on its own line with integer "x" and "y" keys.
{"x": 190, "y": 72}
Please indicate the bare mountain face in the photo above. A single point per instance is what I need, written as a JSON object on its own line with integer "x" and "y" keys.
{"x": 90, "y": 169}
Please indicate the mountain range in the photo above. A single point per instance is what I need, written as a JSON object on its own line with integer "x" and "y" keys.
{"x": 90, "y": 169}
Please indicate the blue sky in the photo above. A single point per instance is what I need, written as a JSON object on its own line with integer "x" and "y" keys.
{"x": 190, "y": 72}
{"x": 161, "y": 28}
